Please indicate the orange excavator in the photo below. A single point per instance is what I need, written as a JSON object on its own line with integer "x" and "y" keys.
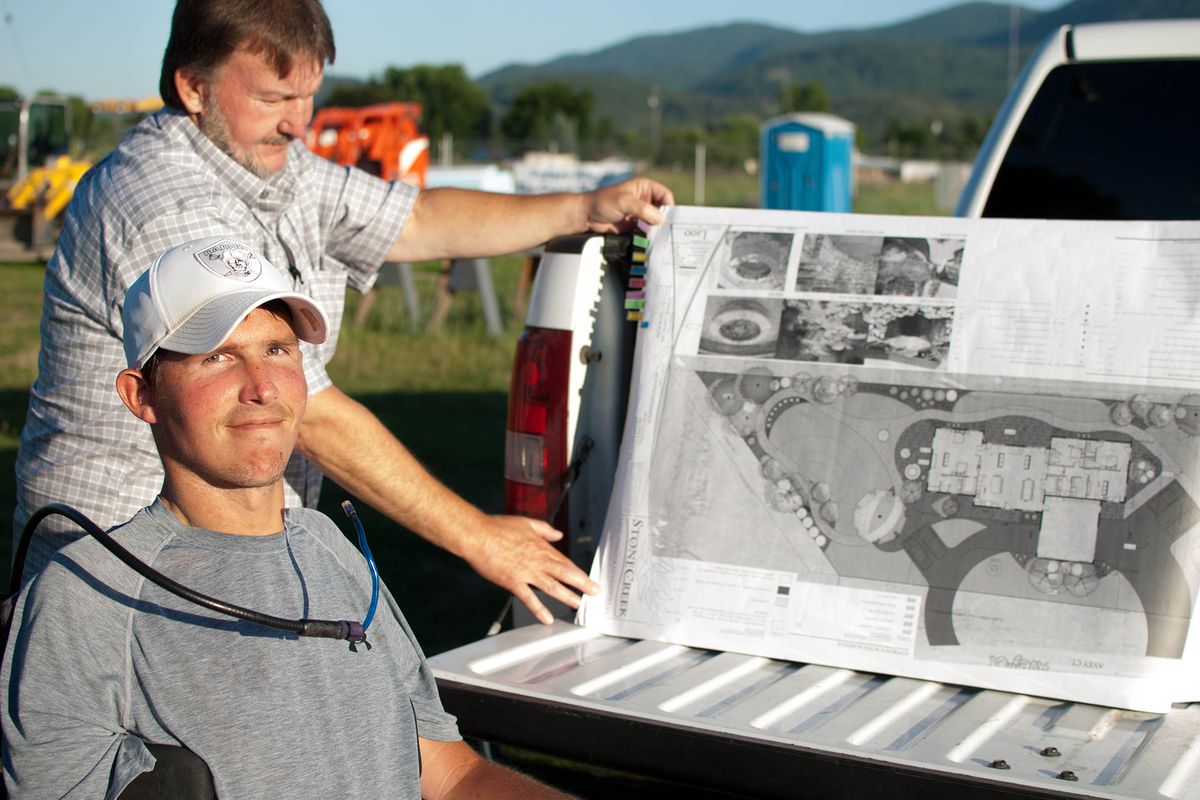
{"x": 384, "y": 139}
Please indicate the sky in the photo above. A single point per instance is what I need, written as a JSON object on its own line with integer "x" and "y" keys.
{"x": 113, "y": 48}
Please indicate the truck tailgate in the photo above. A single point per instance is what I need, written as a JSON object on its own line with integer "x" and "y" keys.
{"x": 767, "y": 728}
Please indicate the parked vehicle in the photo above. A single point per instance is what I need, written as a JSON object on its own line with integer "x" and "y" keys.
{"x": 37, "y": 175}
{"x": 383, "y": 139}
{"x": 1101, "y": 124}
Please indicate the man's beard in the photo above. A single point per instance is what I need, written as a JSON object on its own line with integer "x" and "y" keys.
{"x": 213, "y": 125}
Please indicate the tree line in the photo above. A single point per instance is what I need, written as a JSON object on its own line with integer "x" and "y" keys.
{"x": 558, "y": 116}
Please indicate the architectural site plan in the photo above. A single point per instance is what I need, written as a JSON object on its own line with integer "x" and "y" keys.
{"x": 960, "y": 450}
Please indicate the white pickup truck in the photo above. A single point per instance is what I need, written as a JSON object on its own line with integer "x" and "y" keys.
{"x": 1102, "y": 124}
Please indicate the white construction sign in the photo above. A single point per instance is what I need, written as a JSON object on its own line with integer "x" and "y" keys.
{"x": 958, "y": 450}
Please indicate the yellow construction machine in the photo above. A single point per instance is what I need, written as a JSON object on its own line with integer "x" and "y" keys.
{"x": 38, "y": 174}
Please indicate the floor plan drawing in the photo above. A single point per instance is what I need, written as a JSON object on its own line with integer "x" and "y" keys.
{"x": 954, "y": 487}
{"x": 917, "y": 455}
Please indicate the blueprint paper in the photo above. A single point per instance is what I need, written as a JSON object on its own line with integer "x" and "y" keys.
{"x": 957, "y": 450}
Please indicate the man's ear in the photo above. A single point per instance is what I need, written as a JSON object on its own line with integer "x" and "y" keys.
{"x": 137, "y": 395}
{"x": 191, "y": 89}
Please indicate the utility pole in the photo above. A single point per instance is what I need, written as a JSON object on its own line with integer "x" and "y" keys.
{"x": 1014, "y": 41}
{"x": 655, "y": 120}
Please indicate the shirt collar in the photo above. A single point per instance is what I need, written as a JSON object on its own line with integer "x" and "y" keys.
{"x": 162, "y": 516}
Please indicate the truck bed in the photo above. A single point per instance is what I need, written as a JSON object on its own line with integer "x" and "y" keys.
{"x": 767, "y": 728}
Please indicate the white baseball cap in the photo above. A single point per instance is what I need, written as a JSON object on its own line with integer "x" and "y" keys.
{"x": 194, "y": 295}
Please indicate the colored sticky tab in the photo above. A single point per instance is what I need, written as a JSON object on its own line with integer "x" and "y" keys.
{"x": 639, "y": 256}
{"x": 645, "y": 226}
{"x": 635, "y": 304}
{"x": 637, "y": 270}
{"x": 641, "y": 241}
{"x": 645, "y": 323}
{"x": 637, "y": 283}
{"x": 635, "y": 295}
{"x": 633, "y": 316}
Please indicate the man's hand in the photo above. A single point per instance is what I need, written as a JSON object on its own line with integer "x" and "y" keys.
{"x": 614, "y": 208}
{"x": 353, "y": 447}
{"x": 515, "y": 553}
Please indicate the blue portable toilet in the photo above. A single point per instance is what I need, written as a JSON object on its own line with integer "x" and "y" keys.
{"x": 806, "y": 162}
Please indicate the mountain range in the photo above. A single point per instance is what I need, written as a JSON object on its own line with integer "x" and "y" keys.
{"x": 945, "y": 65}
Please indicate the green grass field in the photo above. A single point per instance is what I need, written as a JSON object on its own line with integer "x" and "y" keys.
{"x": 739, "y": 190}
{"x": 443, "y": 394}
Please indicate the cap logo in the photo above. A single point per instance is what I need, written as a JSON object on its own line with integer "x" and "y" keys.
{"x": 230, "y": 259}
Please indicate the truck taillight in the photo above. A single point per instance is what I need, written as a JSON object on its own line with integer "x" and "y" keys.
{"x": 535, "y": 452}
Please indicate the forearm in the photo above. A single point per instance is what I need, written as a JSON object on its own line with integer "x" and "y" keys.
{"x": 450, "y": 223}
{"x": 457, "y": 223}
{"x": 488, "y": 780}
{"x": 353, "y": 447}
{"x": 453, "y": 771}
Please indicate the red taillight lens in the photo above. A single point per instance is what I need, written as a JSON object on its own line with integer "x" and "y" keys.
{"x": 535, "y": 452}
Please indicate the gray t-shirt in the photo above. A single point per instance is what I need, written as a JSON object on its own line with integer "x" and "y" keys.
{"x": 101, "y": 660}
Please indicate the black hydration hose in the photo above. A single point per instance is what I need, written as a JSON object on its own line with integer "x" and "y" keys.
{"x": 352, "y": 632}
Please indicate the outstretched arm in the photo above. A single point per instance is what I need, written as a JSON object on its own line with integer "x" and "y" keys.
{"x": 453, "y": 771}
{"x": 459, "y": 223}
{"x": 353, "y": 447}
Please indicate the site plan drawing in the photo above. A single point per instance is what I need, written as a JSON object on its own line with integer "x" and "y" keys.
{"x": 960, "y": 450}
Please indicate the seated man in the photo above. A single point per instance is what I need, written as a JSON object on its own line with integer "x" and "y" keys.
{"x": 102, "y": 663}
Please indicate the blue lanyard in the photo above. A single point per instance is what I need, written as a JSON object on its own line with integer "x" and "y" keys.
{"x": 366, "y": 551}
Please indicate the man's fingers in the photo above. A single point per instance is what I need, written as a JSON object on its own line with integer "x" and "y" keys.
{"x": 558, "y": 569}
{"x": 637, "y": 198}
{"x": 520, "y": 558}
{"x": 649, "y": 214}
{"x": 560, "y": 593}
{"x": 545, "y": 530}
{"x": 552, "y": 582}
{"x": 531, "y": 601}
{"x": 569, "y": 574}
{"x": 645, "y": 211}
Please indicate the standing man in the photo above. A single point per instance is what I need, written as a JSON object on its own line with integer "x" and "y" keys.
{"x": 238, "y": 80}
{"x": 103, "y": 665}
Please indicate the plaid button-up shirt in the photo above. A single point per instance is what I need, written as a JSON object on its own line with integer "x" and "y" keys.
{"x": 327, "y": 226}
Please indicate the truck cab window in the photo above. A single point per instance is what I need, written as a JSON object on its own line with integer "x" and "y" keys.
{"x": 1083, "y": 150}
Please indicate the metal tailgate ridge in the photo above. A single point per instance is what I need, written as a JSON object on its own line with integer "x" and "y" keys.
{"x": 769, "y": 728}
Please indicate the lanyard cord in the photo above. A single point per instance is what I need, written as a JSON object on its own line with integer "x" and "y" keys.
{"x": 366, "y": 551}
{"x": 352, "y": 632}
